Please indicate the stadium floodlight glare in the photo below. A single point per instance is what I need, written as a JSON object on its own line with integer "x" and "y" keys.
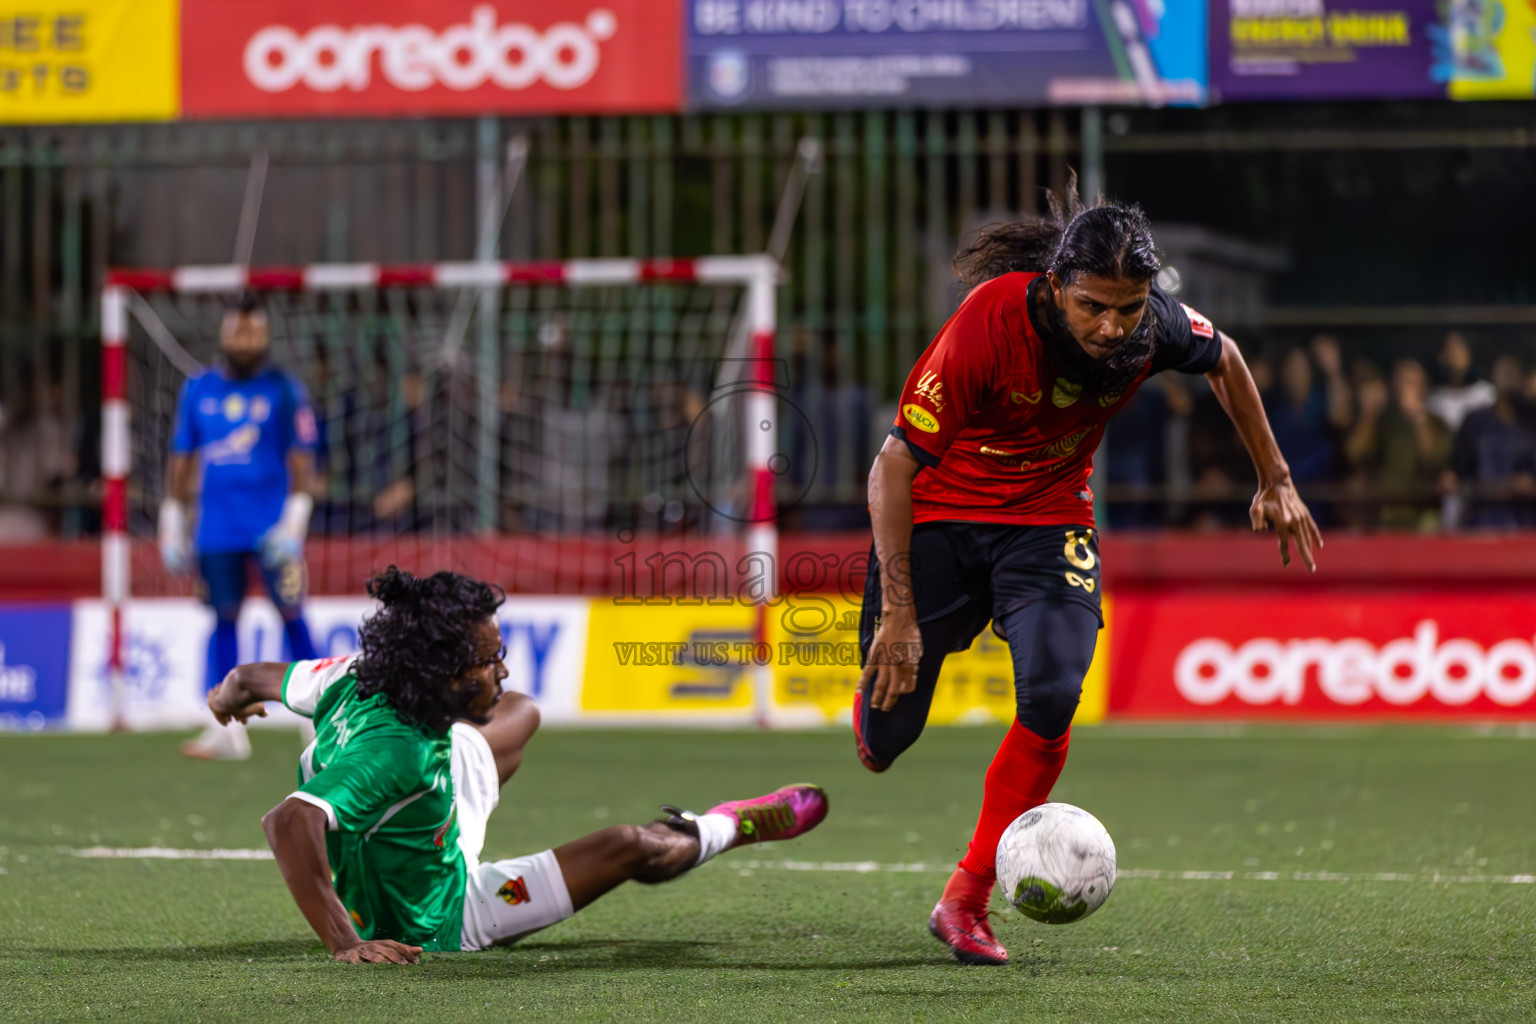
{"x": 742, "y": 358}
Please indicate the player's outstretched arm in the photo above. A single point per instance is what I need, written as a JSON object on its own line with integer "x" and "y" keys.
{"x": 1276, "y": 504}
{"x": 242, "y": 694}
{"x": 296, "y": 833}
{"x": 898, "y": 645}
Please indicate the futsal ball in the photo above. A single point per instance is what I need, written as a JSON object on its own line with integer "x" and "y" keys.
{"x": 1056, "y": 863}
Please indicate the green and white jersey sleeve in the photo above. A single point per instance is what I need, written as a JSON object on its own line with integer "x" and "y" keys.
{"x": 306, "y": 682}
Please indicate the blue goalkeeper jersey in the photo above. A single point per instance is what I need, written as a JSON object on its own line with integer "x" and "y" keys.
{"x": 241, "y": 431}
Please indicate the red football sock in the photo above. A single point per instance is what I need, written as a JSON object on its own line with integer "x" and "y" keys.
{"x": 1021, "y": 776}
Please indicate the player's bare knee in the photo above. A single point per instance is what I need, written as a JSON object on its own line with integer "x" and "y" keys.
{"x": 518, "y": 712}
{"x": 667, "y": 853}
{"x": 529, "y": 714}
{"x": 624, "y": 845}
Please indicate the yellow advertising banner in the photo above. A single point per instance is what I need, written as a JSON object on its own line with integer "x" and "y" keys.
{"x": 670, "y": 662}
{"x": 1494, "y": 43}
{"x": 89, "y": 60}
{"x": 817, "y": 668}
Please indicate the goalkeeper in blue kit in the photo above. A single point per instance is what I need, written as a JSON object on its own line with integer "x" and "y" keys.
{"x": 249, "y": 428}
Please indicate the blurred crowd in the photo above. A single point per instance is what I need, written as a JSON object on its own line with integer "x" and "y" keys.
{"x": 1402, "y": 446}
{"x": 39, "y": 456}
{"x": 1447, "y": 443}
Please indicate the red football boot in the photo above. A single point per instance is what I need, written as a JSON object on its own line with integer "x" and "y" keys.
{"x": 867, "y": 759}
{"x": 960, "y": 921}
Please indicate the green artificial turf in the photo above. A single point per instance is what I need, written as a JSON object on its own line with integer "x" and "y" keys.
{"x": 113, "y": 940}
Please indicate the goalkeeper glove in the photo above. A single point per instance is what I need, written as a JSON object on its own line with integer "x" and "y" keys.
{"x": 175, "y": 544}
{"x": 284, "y": 543}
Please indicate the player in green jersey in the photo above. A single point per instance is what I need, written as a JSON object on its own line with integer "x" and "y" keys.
{"x": 413, "y": 741}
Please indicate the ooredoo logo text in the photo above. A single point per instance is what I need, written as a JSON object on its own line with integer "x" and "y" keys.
{"x": 1400, "y": 672}
{"x": 484, "y": 50}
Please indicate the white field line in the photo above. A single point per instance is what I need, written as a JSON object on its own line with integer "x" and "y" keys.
{"x": 164, "y": 853}
{"x": 866, "y": 867}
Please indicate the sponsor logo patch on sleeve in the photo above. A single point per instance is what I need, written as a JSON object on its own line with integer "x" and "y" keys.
{"x": 1198, "y": 323}
{"x": 920, "y": 418}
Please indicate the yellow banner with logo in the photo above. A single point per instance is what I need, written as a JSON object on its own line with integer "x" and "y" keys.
{"x": 671, "y": 662}
{"x": 1495, "y": 50}
{"x": 89, "y": 60}
{"x": 817, "y": 669}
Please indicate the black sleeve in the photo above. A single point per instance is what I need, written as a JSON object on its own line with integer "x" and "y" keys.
{"x": 925, "y": 458}
{"x": 1186, "y": 343}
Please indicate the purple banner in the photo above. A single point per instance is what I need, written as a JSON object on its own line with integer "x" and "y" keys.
{"x": 1321, "y": 49}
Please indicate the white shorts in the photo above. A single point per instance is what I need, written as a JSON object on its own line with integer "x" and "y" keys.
{"x": 505, "y": 899}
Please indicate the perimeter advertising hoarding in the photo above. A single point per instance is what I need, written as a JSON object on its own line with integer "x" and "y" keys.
{"x": 34, "y": 656}
{"x": 166, "y": 647}
{"x": 678, "y": 663}
{"x": 346, "y": 58}
{"x": 818, "y": 671}
{"x": 88, "y": 60}
{"x": 1368, "y": 655}
{"x": 856, "y": 54}
{"x": 1324, "y": 49}
{"x": 1492, "y": 44}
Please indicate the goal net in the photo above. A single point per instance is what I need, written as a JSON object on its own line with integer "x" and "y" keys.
{"x": 546, "y": 426}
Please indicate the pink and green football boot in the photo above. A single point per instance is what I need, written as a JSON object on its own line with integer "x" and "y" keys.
{"x": 783, "y": 814}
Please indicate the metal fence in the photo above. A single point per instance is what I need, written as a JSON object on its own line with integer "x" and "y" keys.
{"x": 869, "y": 260}
{"x": 869, "y": 278}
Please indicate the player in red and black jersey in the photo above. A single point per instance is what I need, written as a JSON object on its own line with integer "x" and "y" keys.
{"x": 981, "y": 508}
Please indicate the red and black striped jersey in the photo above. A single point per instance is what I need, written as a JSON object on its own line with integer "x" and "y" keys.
{"x": 1004, "y": 435}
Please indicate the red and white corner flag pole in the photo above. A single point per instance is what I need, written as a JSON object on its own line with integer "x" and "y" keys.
{"x": 115, "y": 465}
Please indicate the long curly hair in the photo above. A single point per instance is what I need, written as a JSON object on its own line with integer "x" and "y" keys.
{"x": 1105, "y": 238}
{"x": 421, "y": 641}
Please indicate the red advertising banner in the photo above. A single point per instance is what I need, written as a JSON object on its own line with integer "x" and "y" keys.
{"x": 1234, "y": 654}
{"x": 346, "y": 58}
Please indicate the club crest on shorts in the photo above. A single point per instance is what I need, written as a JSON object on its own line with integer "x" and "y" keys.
{"x": 920, "y": 418}
{"x": 1065, "y": 392}
{"x": 514, "y": 891}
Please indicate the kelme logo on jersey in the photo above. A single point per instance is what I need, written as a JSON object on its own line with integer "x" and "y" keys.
{"x": 930, "y": 387}
{"x": 515, "y": 891}
{"x": 1033, "y": 398}
{"x": 1065, "y": 392}
{"x": 920, "y": 418}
